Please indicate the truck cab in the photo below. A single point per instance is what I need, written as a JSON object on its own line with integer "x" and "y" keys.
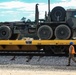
{"x": 71, "y": 20}
{"x": 71, "y": 17}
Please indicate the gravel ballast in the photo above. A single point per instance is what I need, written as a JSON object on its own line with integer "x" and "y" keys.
{"x": 46, "y": 64}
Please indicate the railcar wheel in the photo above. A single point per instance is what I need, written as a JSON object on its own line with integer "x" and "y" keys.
{"x": 62, "y": 32}
{"x": 5, "y": 32}
{"x": 58, "y": 49}
{"x": 45, "y": 32}
{"x": 58, "y": 14}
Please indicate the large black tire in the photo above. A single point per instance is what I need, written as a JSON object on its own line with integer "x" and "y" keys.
{"x": 14, "y": 37}
{"x": 62, "y": 32}
{"x": 5, "y": 32}
{"x": 58, "y": 14}
{"x": 45, "y": 32}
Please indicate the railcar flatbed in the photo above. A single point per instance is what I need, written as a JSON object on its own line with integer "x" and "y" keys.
{"x": 36, "y": 42}
{"x": 47, "y": 46}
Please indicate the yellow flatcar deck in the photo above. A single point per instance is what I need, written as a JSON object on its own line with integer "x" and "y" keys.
{"x": 23, "y": 45}
{"x": 36, "y": 42}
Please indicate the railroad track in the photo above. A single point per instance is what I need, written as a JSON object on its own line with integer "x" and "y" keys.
{"x": 30, "y": 53}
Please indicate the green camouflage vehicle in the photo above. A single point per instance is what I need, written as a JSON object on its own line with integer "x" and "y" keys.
{"x": 57, "y": 24}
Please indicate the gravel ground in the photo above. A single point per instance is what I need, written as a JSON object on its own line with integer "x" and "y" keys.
{"x": 46, "y": 65}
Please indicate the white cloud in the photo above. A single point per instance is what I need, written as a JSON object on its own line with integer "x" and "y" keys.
{"x": 64, "y": 0}
{"x": 12, "y": 4}
{"x": 15, "y": 4}
{"x": 66, "y": 4}
{"x": 31, "y": 6}
{"x": 8, "y": 11}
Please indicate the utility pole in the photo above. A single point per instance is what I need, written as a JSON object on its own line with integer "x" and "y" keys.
{"x": 49, "y": 19}
{"x": 48, "y": 6}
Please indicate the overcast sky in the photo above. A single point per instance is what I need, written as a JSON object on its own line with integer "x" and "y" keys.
{"x": 14, "y": 10}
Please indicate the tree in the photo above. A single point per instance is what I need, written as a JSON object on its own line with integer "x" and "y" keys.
{"x": 23, "y": 19}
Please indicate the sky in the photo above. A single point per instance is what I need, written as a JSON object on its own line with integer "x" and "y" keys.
{"x": 14, "y": 10}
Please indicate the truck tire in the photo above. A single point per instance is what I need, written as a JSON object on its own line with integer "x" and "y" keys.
{"x": 58, "y": 14}
{"x": 14, "y": 37}
{"x": 5, "y": 32}
{"x": 45, "y": 32}
{"x": 62, "y": 32}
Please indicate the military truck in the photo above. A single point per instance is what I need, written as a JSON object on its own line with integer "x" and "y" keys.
{"x": 57, "y": 24}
